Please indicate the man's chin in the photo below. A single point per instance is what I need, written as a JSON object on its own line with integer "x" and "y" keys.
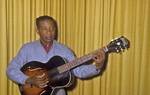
{"x": 49, "y": 41}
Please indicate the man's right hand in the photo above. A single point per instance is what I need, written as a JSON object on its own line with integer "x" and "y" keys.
{"x": 40, "y": 81}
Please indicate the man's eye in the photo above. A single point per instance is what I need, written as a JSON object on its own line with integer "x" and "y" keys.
{"x": 43, "y": 29}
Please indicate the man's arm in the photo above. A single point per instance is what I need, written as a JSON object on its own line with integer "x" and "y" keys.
{"x": 13, "y": 71}
{"x": 87, "y": 70}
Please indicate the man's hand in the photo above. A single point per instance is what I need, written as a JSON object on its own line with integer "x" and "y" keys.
{"x": 39, "y": 81}
{"x": 99, "y": 58}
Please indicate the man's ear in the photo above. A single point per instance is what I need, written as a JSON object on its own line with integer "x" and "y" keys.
{"x": 36, "y": 29}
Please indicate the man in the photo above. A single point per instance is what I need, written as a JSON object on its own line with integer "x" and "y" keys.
{"x": 43, "y": 50}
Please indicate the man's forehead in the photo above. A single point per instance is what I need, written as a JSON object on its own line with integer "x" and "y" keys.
{"x": 46, "y": 22}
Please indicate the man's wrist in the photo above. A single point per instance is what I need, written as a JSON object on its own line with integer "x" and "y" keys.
{"x": 99, "y": 65}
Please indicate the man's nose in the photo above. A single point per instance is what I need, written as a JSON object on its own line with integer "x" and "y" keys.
{"x": 49, "y": 32}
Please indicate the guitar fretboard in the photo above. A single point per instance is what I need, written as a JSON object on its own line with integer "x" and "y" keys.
{"x": 78, "y": 61}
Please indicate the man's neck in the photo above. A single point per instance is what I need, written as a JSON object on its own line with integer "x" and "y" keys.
{"x": 47, "y": 46}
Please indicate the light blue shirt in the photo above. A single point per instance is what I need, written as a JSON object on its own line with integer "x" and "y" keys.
{"x": 34, "y": 51}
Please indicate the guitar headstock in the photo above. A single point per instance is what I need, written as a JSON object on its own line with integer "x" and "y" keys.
{"x": 118, "y": 45}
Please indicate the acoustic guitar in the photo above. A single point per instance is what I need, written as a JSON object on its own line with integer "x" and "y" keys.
{"x": 59, "y": 71}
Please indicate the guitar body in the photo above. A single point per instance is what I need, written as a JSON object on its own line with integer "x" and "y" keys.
{"x": 57, "y": 80}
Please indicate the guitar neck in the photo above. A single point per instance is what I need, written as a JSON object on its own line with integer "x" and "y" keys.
{"x": 79, "y": 61}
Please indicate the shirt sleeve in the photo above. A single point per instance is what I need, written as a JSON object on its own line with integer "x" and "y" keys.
{"x": 86, "y": 71}
{"x": 83, "y": 71}
{"x": 13, "y": 71}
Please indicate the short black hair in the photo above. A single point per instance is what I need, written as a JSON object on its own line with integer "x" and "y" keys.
{"x": 49, "y": 18}
{"x": 45, "y": 17}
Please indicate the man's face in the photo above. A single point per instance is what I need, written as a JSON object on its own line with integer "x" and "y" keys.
{"x": 46, "y": 32}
